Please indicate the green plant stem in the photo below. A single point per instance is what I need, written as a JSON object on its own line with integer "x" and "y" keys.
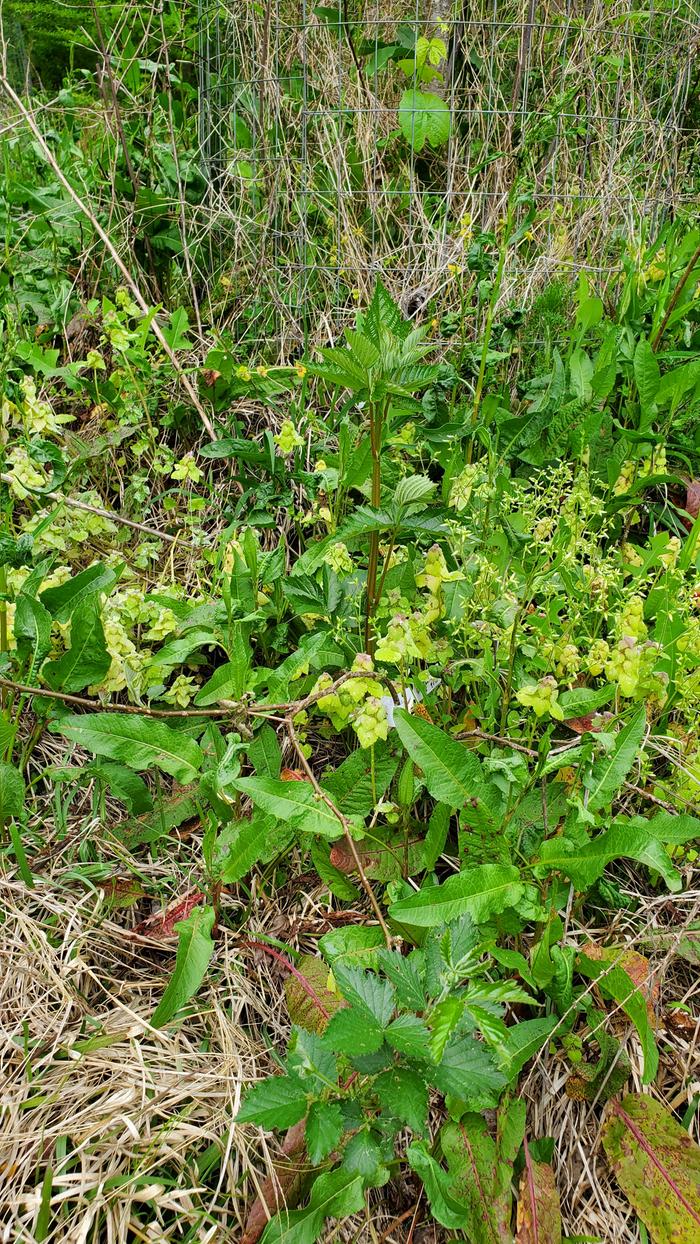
{"x": 674, "y": 299}
{"x": 376, "y": 426}
{"x": 488, "y": 329}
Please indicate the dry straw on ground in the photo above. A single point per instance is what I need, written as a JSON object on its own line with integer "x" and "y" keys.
{"x": 136, "y": 1124}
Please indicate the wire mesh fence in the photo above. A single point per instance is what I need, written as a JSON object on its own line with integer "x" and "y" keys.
{"x": 355, "y": 138}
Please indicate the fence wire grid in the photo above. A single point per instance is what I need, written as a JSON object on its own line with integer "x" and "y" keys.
{"x": 580, "y": 117}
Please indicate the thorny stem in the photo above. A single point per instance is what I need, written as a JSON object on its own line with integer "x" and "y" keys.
{"x": 294, "y": 738}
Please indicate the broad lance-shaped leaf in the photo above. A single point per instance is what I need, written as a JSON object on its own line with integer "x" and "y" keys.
{"x": 481, "y": 892}
{"x": 194, "y": 950}
{"x": 539, "y": 1212}
{"x": 11, "y": 793}
{"x": 610, "y": 771}
{"x": 245, "y": 843}
{"x": 62, "y": 601}
{"x": 136, "y": 741}
{"x": 452, "y": 773}
{"x": 613, "y": 982}
{"x": 584, "y": 865}
{"x": 647, "y": 375}
{"x": 124, "y": 784}
{"x": 657, "y": 1165}
{"x": 32, "y": 630}
{"x": 481, "y": 1170}
{"x": 295, "y": 803}
{"x": 336, "y": 1194}
{"x": 87, "y": 660}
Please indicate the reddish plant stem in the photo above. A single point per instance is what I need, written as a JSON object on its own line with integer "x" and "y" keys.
{"x": 287, "y": 963}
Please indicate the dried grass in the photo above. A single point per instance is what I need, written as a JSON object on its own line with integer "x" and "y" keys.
{"x": 135, "y": 1124}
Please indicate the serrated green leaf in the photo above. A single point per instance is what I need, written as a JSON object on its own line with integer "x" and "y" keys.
{"x": 480, "y": 893}
{"x": 324, "y": 1128}
{"x": 275, "y": 1103}
{"x": 443, "y": 1020}
{"x": 408, "y": 1035}
{"x": 194, "y": 950}
{"x": 405, "y": 976}
{"x": 468, "y": 1072}
{"x": 295, "y": 803}
{"x": 366, "y": 991}
{"x": 424, "y": 117}
{"x": 354, "y": 1032}
{"x": 139, "y": 742}
{"x": 403, "y": 1095}
{"x": 413, "y": 488}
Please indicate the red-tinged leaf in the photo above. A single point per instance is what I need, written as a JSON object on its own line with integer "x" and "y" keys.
{"x": 210, "y": 376}
{"x": 539, "y": 1214}
{"x": 592, "y": 723}
{"x": 293, "y": 775}
{"x": 309, "y": 1000}
{"x": 692, "y": 498}
{"x": 162, "y": 924}
{"x": 657, "y": 1165}
{"x": 635, "y": 965}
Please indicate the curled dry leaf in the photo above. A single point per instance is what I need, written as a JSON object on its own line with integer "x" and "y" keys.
{"x": 692, "y": 499}
{"x": 592, "y": 723}
{"x": 293, "y": 775}
{"x": 283, "y": 1187}
{"x": 161, "y": 924}
{"x": 657, "y": 1165}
